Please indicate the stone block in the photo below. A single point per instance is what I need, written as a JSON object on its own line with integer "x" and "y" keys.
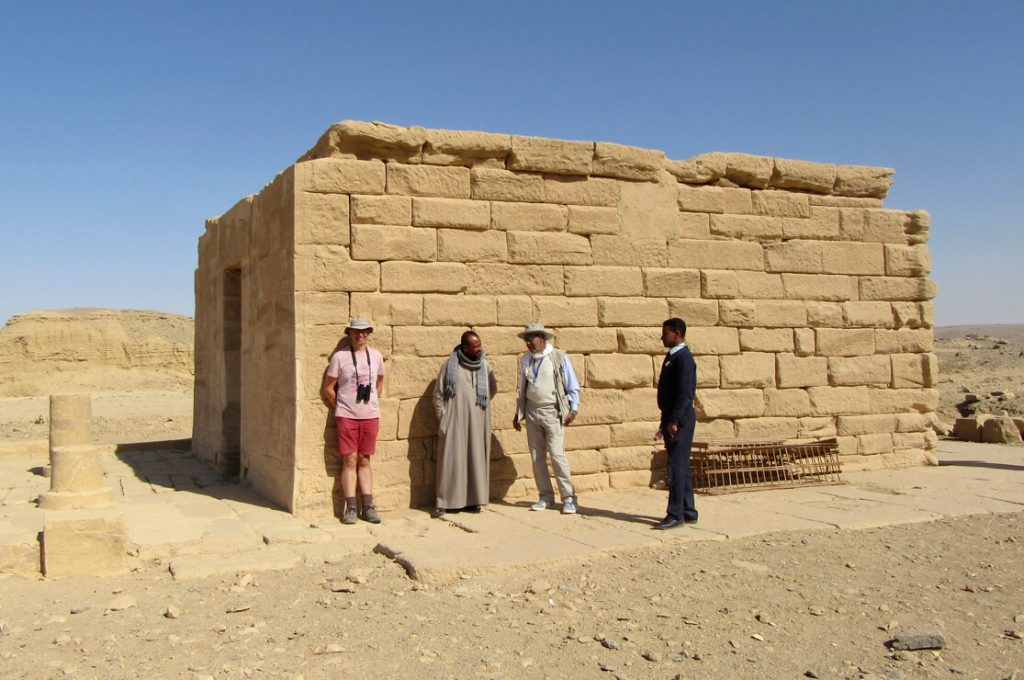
{"x": 711, "y": 254}
{"x": 466, "y": 147}
{"x": 360, "y": 139}
{"x": 460, "y": 310}
{"x": 321, "y": 218}
{"x": 870, "y": 424}
{"x": 428, "y": 180}
{"x": 321, "y": 309}
{"x": 866, "y": 259}
{"x": 910, "y": 440}
{"x": 701, "y": 169}
{"x": 717, "y": 340}
{"x": 804, "y": 341}
{"x": 601, "y": 406}
{"x": 547, "y": 248}
{"x": 510, "y": 279}
{"x": 750, "y": 369}
{"x": 851, "y": 224}
{"x": 328, "y": 269}
{"x": 602, "y": 280}
{"x": 1000, "y": 430}
{"x": 902, "y": 260}
{"x": 631, "y": 311}
{"x": 737, "y": 201}
{"x": 824, "y": 314}
{"x": 588, "y": 340}
{"x": 694, "y": 312}
{"x": 628, "y": 251}
{"x": 794, "y": 371}
{"x": 718, "y": 284}
{"x": 837, "y": 401}
{"x": 914, "y": 370}
{"x": 914, "y": 422}
{"x": 763, "y": 313}
{"x": 885, "y": 226}
{"x": 619, "y": 371}
{"x": 793, "y": 403}
{"x": 671, "y": 283}
{"x": 627, "y": 162}
{"x": 504, "y": 366}
{"x": 630, "y": 479}
{"x": 822, "y": 223}
{"x": 451, "y": 213}
{"x": 917, "y": 228}
{"x": 846, "y": 342}
{"x": 701, "y": 199}
{"x": 969, "y": 429}
{"x": 746, "y": 227}
{"x": 817, "y": 428}
{"x": 634, "y": 434}
{"x": 390, "y": 310}
{"x": 511, "y": 216}
{"x": 554, "y": 156}
{"x": 923, "y": 400}
{"x": 635, "y": 340}
{"x": 375, "y": 242}
{"x": 803, "y": 176}
{"x": 874, "y": 444}
{"x": 94, "y": 546}
{"x": 904, "y": 341}
{"x": 502, "y": 185}
{"x": 862, "y": 181}
{"x": 587, "y": 437}
{"x": 427, "y": 341}
{"x": 820, "y": 287}
{"x": 340, "y": 176}
{"x": 515, "y": 310}
{"x": 860, "y": 370}
{"x": 560, "y": 311}
{"x": 759, "y": 285}
{"x": 802, "y": 257}
{"x": 425, "y": 277}
{"x": 584, "y": 462}
{"x": 767, "y": 428}
{"x": 748, "y": 170}
{"x": 766, "y": 339}
{"x": 709, "y": 371}
{"x": 913, "y": 314}
{"x": 590, "y": 191}
{"x": 416, "y": 417}
{"x": 748, "y": 403}
{"x": 588, "y": 220}
{"x": 693, "y": 226}
{"x": 624, "y": 457}
{"x": 411, "y": 377}
{"x": 382, "y": 210}
{"x": 868, "y": 315}
{"x": 845, "y": 202}
{"x": 457, "y": 245}
{"x": 771, "y": 203}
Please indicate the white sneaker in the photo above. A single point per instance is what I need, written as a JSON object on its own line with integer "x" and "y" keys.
{"x": 540, "y": 505}
{"x": 569, "y": 507}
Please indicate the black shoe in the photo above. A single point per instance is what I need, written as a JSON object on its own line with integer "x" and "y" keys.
{"x": 471, "y": 508}
{"x": 438, "y": 513}
{"x": 690, "y": 520}
{"x": 669, "y": 523}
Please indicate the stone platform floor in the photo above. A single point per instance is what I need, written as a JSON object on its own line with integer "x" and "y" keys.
{"x": 182, "y": 517}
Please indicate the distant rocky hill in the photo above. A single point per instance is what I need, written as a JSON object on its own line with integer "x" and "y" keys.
{"x": 1013, "y": 332}
{"x": 95, "y": 350}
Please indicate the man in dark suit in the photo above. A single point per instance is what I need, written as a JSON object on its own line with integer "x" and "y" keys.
{"x": 677, "y": 387}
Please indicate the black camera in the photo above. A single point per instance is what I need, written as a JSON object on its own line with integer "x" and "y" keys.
{"x": 363, "y": 393}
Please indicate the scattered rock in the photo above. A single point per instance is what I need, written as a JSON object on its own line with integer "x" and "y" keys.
{"x": 610, "y": 644}
{"x": 358, "y": 575}
{"x": 1000, "y": 430}
{"x": 121, "y": 603}
{"x": 652, "y": 656}
{"x": 171, "y": 612}
{"x": 916, "y": 640}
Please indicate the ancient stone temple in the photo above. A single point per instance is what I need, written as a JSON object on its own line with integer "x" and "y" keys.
{"x": 807, "y": 302}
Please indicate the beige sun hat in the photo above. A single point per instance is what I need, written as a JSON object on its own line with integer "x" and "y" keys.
{"x": 358, "y": 323}
{"x": 535, "y": 329}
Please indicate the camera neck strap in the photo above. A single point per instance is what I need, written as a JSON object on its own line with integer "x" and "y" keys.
{"x": 355, "y": 367}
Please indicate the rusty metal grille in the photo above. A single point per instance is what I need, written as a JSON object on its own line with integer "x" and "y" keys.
{"x": 725, "y": 466}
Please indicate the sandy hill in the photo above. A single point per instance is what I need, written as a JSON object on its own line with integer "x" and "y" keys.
{"x": 1013, "y": 332}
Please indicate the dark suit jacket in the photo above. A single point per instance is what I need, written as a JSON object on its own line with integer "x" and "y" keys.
{"x": 677, "y": 387}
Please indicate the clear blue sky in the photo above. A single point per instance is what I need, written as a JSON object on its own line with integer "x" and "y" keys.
{"x": 124, "y": 125}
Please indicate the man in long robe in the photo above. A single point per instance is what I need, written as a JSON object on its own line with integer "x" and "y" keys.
{"x": 462, "y": 402}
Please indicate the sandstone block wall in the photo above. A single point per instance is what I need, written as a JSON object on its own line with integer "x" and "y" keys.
{"x": 807, "y": 300}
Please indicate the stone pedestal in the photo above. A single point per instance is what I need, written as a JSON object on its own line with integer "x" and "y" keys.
{"x": 76, "y": 472}
{"x": 70, "y": 420}
{"x": 92, "y": 545}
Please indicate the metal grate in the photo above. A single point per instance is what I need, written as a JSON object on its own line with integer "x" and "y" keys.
{"x": 725, "y": 466}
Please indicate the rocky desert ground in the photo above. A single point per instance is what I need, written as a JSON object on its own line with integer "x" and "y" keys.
{"x": 796, "y": 604}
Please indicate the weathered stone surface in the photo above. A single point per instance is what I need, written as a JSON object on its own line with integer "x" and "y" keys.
{"x": 747, "y": 227}
{"x": 885, "y": 226}
{"x": 693, "y": 226}
{"x": 748, "y": 170}
{"x": 661, "y": 282}
{"x": 428, "y": 277}
{"x": 593, "y": 220}
{"x": 528, "y": 216}
{"x": 585, "y": 191}
{"x": 873, "y": 444}
{"x": 382, "y": 210}
{"x": 502, "y": 185}
{"x": 391, "y": 309}
{"x": 601, "y": 406}
{"x": 901, "y": 260}
{"x": 619, "y": 372}
{"x": 709, "y": 371}
{"x": 862, "y": 181}
{"x": 410, "y": 376}
{"x": 969, "y": 429}
{"x": 787, "y": 402}
{"x": 321, "y": 218}
{"x": 870, "y": 424}
{"x": 924, "y": 400}
{"x": 701, "y": 199}
{"x": 767, "y": 428}
{"x": 904, "y": 341}
{"x": 763, "y": 313}
{"x": 824, "y": 314}
{"x": 844, "y": 342}
{"x": 914, "y": 370}
{"x": 700, "y": 169}
{"x": 730, "y": 403}
{"x": 628, "y": 251}
{"x": 718, "y": 284}
{"x": 803, "y": 176}
{"x": 803, "y": 257}
{"x": 772, "y": 203}
{"x": 713, "y": 340}
{"x": 711, "y": 254}
{"x": 821, "y": 224}
{"x": 917, "y": 640}
{"x": 360, "y": 139}
{"x": 375, "y": 242}
{"x": 737, "y": 201}
{"x": 88, "y": 546}
{"x": 452, "y": 213}
{"x": 639, "y": 340}
{"x": 599, "y": 280}
{"x": 555, "y": 156}
{"x": 694, "y": 312}
{"x": 852, "y": 258}
{"x": 766, "y": 339}
{"x": 546, "y": 248}
{"x": 868, "y": 315}
{"x": 750, "y": 369}
{"x": 860, "y": 370}
{"x": 508, "y": 279}
{"x": 329, "y": 269}
{"x": 819, "y": 287}
{"x": 466, "y": 147}
{"x": 913, "y": 314}
{"x": 835, "y": 401}
{"x": 459, "y": 310}
{"x": 428, "y": 180}
{"x": 631, "y": 311}
{"x": 627, "y": 162}
{"x": 561, "y": 311}
{"x": 588, "y": 340}
{"x": 1000, "y": 430}
{"x": 794, "y": 371}
{"x": 340, "y": 176}
{"x": 458, "y": 245}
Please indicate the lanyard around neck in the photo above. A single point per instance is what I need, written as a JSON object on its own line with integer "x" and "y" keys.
{"x": 535, "y": 366}
{"x": 355, "y": 366}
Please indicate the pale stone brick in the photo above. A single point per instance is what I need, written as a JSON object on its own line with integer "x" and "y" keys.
{"x": 584, "y": 437}
{"x": 824, "y": 314}
{"x": 321, "y": 309}
{"x": 852, "y": 258}
{"x": 914, "y": 370}
{"x": 375, "y": 242}
{"x": 758, "y": 285}
{"x": 794, "y": 371}
{"x": 390, "y": 310}
{"x": 628, "y": 251}
{"x": 844, "y": 342}
{"x": 354, "y": 138}
{"x": 382, "y": 210}
{"x": 750, "y": 369}
{"x": 794, "y": 256}
{"x": 640, "y": 340}
{"x": 847, "y": 446}
{"x": 505, "y": 367}
{"x": 730, "y": 403}
{"x": 631, "y": 311}
{"x": 860, "y": 370}
{"x": 547, "y": 248}
{"x": 694, "y": 312}
{"x": 701, "y": 199}
{"x": 851, "y": 223}
{"x": 560, "y": 311}
{"x": 427, "y": 342}
{"x": 822, "y": 223}
{"x": 502, "y": 341}
{"x": 910, "y": 440}
{"x": 696, "y": 226}
{"x": 619, "y": 371}
{"x": 340, "y": 176}
{"x": 600, "y": 406}
{"x": 868, "y": 314}
{"x": 428, "y": 180}
{"x": 884, "y": 226}
{"x": 514, "y": 310}
{"x": 748, "y": 170}
{"x": 416, "y": 418}
{"x": 593, "y": 220}
{"x": 746, "y": 227}
{"x": 590, "y": 483}
{"x": 601, "y": 280}
{"x": 817, "y": 428}
{"x": 913, "y": 422}
{"x": 626, "y": 457}
{"x": 633, "y": 434}
{"x": 767, "y": 428}
{"x": 457, "y": 245}
{"x": 791, "y": 403}
{"x": 466, "y": 147}
{"x": 845, "y": 202}
{"x": 321, "y": 218}
{"x": 862, "y": 181}
{"x": 803, "y": 176}
{"x": 659, "y": 282}
{"x": 714, "y": 429}
{"x": 901, "y": 260}
{"x": 835, "y": 401}
{"x": 711, "y": 254}
{"x": 77, "y": 546}
{"x": 913, "y": 314}
{"x": 766, "y": 339}
{"x": 509, "y": 279}
{"x": 555, "y": 156}
{"x": 423, "y": 277}
{"x": 805, "y": 341}
{"x": 641, "y": 404}
{"x": 917, "y": 228}
{"x": 923, "y": 400}
{"x": 737, "y": 201}
{"x": 460, "y": 310}
{"x": 701, "y": 169}
{"x": 409, "y": 377}
{"x": 870, "y": 424}
{"x": 904, "y": 341}
{"x": 772, "y": 203}
{"x": 503, "y": 408}
{"x": 627, "y": 162}
{"x": 763, "y": 313}
{"x": 528, "y": 216}
{"x": 452, "y": 213}
{"x": 715, "y": 340}
{"x": 873, "y": 444}
{"x": 502, "y": 185}
{"x": 709, "y": 371}
{"x": 588, "y": 340}
{"x": 593, "y": 191}
{"x": 329, "y": 269}
{"x": 820, "y": 287}
{"x": 630, "y": 479}
{"x": 718, "y": 284}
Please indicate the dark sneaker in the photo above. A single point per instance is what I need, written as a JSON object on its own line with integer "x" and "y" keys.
{"x": 471, "y": 508}
{"x": 349, "y": 517}
{"x": 370, "y": 515}
{"x": 438, "y": 513}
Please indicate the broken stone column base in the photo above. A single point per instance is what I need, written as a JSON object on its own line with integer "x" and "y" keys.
{"x": 76, "y": 480}
{"x": 72, "y": 500}
{"x": 96, "y": 545}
